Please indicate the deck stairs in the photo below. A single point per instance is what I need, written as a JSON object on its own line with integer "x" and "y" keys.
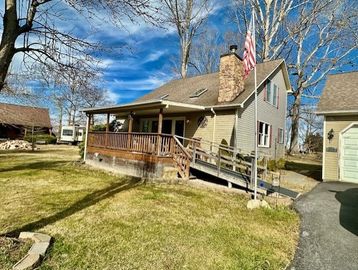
{"x": 226, "y": 163}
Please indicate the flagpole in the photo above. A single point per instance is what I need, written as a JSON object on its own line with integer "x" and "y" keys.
{"x": 256, "y": 124}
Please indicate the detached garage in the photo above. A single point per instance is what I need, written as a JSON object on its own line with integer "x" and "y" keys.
{"x": 339, "y": 106}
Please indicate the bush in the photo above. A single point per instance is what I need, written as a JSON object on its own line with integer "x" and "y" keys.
{"x": 81, "y": 146}
{"x": 275, "y": 165}
{"x": 49, "y": 139}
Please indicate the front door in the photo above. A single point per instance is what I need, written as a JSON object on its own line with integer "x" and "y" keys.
{"x": 174, "y": 126}
{"x": 179, "y": 129}
{"x": 167, "y": 126}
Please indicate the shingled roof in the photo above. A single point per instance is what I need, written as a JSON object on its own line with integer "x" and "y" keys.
{"x": 181, "y": 90}
{"x": 24, "y": 115}
{"x": 340, "y": 94}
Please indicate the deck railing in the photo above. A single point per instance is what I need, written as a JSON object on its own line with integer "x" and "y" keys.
{"x": 162, "y": 145}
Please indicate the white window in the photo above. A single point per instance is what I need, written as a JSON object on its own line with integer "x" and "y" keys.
{"x": 264, "y": 134}
{"x": 271, "y": 95}
{"x": 67, "y": 132}
{"x": 281, "y": 138}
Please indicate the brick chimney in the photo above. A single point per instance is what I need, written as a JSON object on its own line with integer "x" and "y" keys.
{"x": 231, "y": 76}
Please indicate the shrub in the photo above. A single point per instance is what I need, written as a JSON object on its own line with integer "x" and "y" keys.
{"x": 275, "y": 165}
{"x": 81, "y": 147}
{"x": 49, "y": 139}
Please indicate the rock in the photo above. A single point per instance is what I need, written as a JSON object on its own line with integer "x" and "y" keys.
{"x": 40, "y": 237}
{"x": 252, "y": 204}
{"x": 39, "y": 248}
{"x": 265, "y": 204}
{"x": 15, "y": 145}
{"x": 30, "y": 261}
{"x": 26, "y": 235}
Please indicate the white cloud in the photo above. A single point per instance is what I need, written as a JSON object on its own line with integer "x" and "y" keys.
{"x": 140, "y": 85}
{"x": 113, "y": 96}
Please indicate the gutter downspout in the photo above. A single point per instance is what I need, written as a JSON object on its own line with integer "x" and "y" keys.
{"x": 214, "y": 129}
{"x": 235, "y": 138}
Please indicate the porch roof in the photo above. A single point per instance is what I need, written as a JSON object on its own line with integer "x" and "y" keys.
{"x": 147, "y": 106}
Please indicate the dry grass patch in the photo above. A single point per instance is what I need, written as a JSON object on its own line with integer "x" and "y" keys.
{"x": 101, "y": 221}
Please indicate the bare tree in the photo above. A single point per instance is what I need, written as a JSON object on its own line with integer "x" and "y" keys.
{"x": 270, "y": 21}
{"x": 322, "y": 40}
{"x": 186, "y": 16}
{"x": 315, "y": 37}
{"x": 29, "y": 28}
{"x": 207, "y": 48}
{"x": 205, "y": 53}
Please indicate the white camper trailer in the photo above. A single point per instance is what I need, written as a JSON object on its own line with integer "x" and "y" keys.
{"x": 72, "y": 134}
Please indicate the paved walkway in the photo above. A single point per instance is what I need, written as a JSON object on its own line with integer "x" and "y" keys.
{"x": 329, "y": 229}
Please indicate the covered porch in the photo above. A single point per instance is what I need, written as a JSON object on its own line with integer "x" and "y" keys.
{"x": 151, "y": 136}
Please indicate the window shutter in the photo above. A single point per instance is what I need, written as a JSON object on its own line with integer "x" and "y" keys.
{"x": 270, "y": 135}
{"x": 278, "y": 135}
{"x": 278, "y": 97}
{"x": 265, "y": 92}
{"x": 257, "y": 131}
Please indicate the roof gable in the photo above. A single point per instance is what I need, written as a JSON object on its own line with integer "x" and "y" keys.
{"x": 24, "y": 115}
{"x": 339, "y": 93}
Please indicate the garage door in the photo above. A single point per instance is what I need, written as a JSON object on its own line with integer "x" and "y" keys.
{"x": 349, "y": 155}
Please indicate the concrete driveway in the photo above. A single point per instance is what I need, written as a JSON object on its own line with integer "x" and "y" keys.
{"x": 329, "y": 228}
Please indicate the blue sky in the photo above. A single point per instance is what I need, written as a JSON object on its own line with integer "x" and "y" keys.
{"x": 141, "y": 58}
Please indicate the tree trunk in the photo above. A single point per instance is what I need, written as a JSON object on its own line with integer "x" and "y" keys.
{"x": 294, "y": 146}
{"x": 8, "y": 39}
{"x": 184, "y": 60}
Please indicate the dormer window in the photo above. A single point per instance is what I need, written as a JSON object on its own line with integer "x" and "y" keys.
{"x": 198, "y": 93}
{"x": 164, "y": 96}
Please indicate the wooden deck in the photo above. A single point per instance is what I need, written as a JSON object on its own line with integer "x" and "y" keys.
{"x": 218, "y": 160}
{"x": 152, "y": 144}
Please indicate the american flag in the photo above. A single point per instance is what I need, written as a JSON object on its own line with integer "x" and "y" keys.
{"x": 250, "y": 50}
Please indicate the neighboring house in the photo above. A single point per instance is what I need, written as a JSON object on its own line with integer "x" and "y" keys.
{"x": 216, "y": 108}
{"x": 339, "y": 106}
{"x": 17, "y": 120}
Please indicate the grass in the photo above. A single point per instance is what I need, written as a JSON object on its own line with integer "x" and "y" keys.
{"x": 102, "y": 221}
{"x": 12, "y": 250}
{"x": 309, "y": 169}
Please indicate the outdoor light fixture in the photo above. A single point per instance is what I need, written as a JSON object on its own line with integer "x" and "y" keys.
{"x": 330, "y": 134}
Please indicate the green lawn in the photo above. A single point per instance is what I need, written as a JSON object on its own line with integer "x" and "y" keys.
{"x": 101, "y": 221}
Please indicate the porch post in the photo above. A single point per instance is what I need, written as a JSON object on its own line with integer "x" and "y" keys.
{"x": 130, "y": 128}
{"x": 107, "y": 128}
{"x": 86, "y": 138}
{"x": 160, "y": 125}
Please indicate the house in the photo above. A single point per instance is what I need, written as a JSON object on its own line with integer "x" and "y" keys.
{"x": 17, "y": 120}
{"x": 339, "y": 107}
{"x": 203, "y": 114}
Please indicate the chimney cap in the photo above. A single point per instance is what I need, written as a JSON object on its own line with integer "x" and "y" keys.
{"x": 233, "y": 48}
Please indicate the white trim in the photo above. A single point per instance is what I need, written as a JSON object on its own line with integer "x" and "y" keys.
{"x": 340, "y": 148}
{"x": 324, "y": 149}
{"x": 268, "y": 136}
{"x": 159, "y": 102}
{"x": 337, "y": 112}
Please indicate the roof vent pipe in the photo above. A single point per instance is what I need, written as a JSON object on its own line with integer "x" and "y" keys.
{"x": 233, "y": 48}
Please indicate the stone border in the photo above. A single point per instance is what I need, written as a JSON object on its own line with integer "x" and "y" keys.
{"x": 36, "y": 252}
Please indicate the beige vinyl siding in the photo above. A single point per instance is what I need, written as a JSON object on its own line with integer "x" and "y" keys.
{"x": 267, "y": 113}
{"x": 331, "y": 159}
{"x": 225, "y": 122}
